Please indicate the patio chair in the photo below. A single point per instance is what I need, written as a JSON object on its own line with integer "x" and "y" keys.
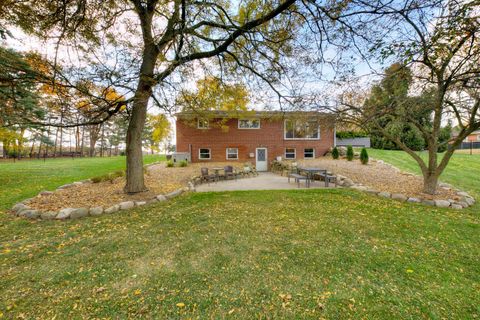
{"x": 207, "y": 177}
{"x": 229, "y": 173}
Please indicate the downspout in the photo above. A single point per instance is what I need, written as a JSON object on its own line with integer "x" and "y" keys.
{"x": 335, "y": 135}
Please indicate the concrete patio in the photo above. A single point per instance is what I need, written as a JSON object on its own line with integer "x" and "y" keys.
{"x": 264, "y": 181}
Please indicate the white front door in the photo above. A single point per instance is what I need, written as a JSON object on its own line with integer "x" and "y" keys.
{"x": 262, "y": 162}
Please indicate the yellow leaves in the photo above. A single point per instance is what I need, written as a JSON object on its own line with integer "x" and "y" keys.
{"x": 180, "y": 305}
{"x": 410, "y": 271}
{"x": 5, "y": 251}
{"x": 137, "y": 292}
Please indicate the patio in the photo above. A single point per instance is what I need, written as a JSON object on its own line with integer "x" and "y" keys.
{"x": 264, "y": 181}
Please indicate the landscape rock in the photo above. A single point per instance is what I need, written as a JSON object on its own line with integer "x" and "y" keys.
{"x": 127, "y": 205}
{"x": 112, "y": 209}
{"x": 384, "y": 194}
{"x": 77, "y": 183}
{"x": 462, "y": 203}
{"x": 49, "y": 215}
{"x": 152, "y": 201}
{"x": 31, "y": 214}
{"x": 468, "y": 200}
{"x": 96, "y": 211}
{"x": 463, "y": 194}
{"x": 428, "y": 202}
{"x": 359, "y": 187}
{"x": 456, "y": 206}
{"x": 399, "y": 197}
{"x": 414, "y": 200}
{"x": 65, "y": 186}
{"x": 140, "y": 203}
{"x": 371, "y": 191}
{"x": 19, "y": 207}
{"x": 64, "y": 214}
{"x": 173, "y": 194}
{"x": 79, "y": 213}
{"x": 46, "y": 193}
{"x": 348, "y": 182}
{"x": 442, "y": 203}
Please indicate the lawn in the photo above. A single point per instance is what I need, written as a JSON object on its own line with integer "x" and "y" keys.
{"x": 331, "y": 254}
{"x": 297, "y": 254}
{"x": 23, "y": 179}
{"x": 462, "y": 170}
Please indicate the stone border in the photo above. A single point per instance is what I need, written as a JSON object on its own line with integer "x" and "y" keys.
{"x": 22, "y": 209}
{"x": 465, "y": 201}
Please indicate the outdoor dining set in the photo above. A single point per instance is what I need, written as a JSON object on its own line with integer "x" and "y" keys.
{"x": 311, "y": 174}
{"x": 226, "y": 173}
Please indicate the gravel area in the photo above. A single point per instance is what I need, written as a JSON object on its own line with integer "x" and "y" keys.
{"x": 159, "y": 180}
{"x": 378, "y": 176}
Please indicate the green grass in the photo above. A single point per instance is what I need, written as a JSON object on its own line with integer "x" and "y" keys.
{"x": 334, "y": 254}
{"x": 26, "y": 178}
{"x": 462, "y": 170}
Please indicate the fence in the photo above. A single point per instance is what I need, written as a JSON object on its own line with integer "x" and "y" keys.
{"x": 470, "y": 145}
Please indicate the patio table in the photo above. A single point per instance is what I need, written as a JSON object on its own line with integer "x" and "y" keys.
{"x": 217, "y": 172}
{"x": 311, "y": 172}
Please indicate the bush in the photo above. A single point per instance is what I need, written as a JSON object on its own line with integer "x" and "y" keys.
{"x": 335, "y": 153}
{"x": 123, "y": 153}
{"x": 170, "y": 164}
{"x": 349, "y": 153}
{"x": 364, "y": 156}
{"x": 109, "y": 176}
{"x": 183, "y": 163}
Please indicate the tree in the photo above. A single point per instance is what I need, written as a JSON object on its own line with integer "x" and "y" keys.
{"x": 441, "y": 46}
{"x": 173, "y": 35}
{"x": 350, "y": 153}
{"x": 364, "y": 156}
{"x": 156, "y": 130}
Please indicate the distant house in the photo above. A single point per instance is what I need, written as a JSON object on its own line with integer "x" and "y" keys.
{"x": 255, "y": 136}
{"x": 473, "y": 137}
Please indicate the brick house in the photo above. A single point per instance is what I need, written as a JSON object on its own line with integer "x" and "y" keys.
{"x": 254, "y": 136}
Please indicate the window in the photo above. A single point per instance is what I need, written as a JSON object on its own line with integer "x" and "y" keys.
{"x": 301, "y": 130}
{"x": 232, "y": 153}
{"x": 204, "y": 154}
{"x": 309, "y": 153}
{"x": 248, "y": 124}
{"x": 202, "y": 123}
{"x": 289, "y": 153}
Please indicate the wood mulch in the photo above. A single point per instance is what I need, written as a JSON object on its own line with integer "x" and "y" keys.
{"x": 379, "y": 176}
{"x": 159, "y": 180}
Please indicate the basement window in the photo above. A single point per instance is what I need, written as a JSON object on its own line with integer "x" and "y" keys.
{"x": 204, "y": 154}
{"x": 309, "y": 153}
{"x": 290, "y": 153}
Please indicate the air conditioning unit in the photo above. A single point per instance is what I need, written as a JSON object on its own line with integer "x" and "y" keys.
{"x": 181, "y": 156}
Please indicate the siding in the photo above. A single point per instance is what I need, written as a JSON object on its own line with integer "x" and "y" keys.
{"x": 354, "y": 142}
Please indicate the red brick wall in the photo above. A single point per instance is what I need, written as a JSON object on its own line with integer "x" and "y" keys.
{"x": 270, "y": 135}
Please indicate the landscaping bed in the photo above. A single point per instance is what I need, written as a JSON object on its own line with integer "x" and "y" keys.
{"x": 159, "y": 179}
{"x": 381, "y": 177}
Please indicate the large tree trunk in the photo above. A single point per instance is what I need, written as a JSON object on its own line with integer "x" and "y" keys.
{"x": 135, "y": 180}
{"x": 430, "y": 182}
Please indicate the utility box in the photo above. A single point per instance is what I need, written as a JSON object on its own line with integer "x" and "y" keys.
{"x": 181, "y": 156}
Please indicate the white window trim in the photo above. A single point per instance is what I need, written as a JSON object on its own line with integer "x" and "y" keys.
{"x": 259, "y": 124}
{"x": 285, "y": 133}
{"x": 294, "y": 154}
{"x": 226, "y": 154}
{"x": 313, "y": 157}
{"x": 203, "y": 128}
{"x": 209, "y": 154}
